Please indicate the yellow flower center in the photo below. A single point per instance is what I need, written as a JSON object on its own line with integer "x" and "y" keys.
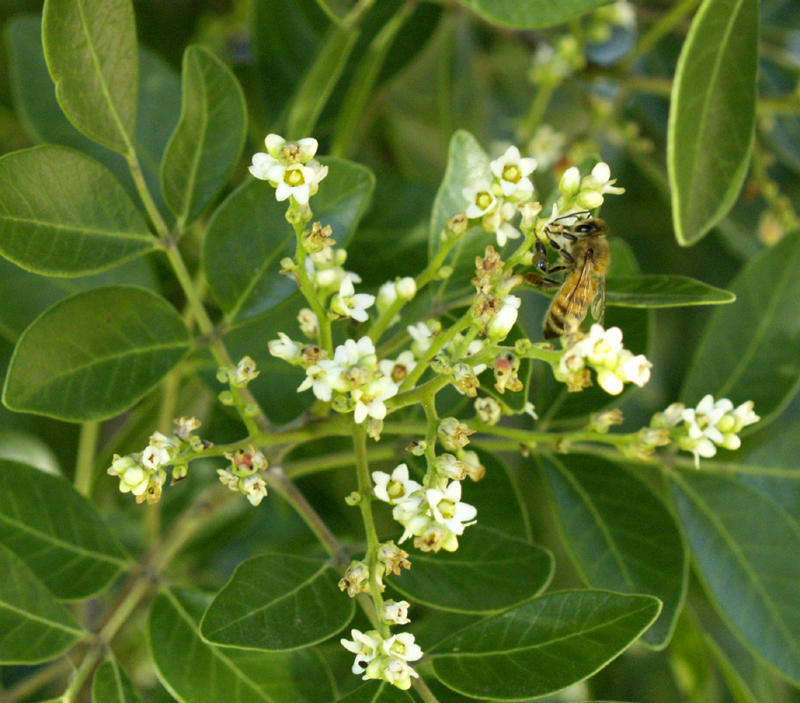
{"x": 447, "y": 508}
{"x": 483, "y": 200}
{"x": 294, "y": 177}
{"x": 395, "y": 490}
{"x": 399, "y": 648}
{"x": 511, "y": 174}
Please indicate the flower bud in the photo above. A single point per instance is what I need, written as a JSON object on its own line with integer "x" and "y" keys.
{"x": 406, "y": 288}
{"x": 395, "y": 613}
{"x": 488, "y": 410}
{"x": 570, "y": 183}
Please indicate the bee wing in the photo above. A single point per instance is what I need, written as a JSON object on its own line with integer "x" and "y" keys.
{"x": 599, "y": 303}
{"x": 578, "y": 298}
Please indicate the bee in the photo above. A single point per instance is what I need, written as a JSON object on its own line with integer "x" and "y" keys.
{"x": 586, "y": 258}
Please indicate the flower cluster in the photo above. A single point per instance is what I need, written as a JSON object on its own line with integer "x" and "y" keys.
{"x": 710, "y": 425}
{"x": 493, "y": 203}
{"x": 382, "y": 658}
{"x": 554, "y": 63}
{"x": 143, "y": 474}
{"x": 353, "y": 380}
{"x": 435, "y": 516}
{"x": 586, "y": 193}
{"x": 242, "y": 474}
{"x": 602, "y": 351}
{"x": 290, "y": 168}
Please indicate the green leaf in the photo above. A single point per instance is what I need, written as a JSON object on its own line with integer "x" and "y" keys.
{"x": 90, "y": 46}
{"x": 63, "y": 214}
{"x": 373, "y": 692}
{"x": 93, "y": 355}
{"x": 663, "y": 291}
{"x": 542, "y": 646}
{"x": 488, "y": 573}
{"x": 213, "y": 674}
{"x": 467, "y": 162}
{"x": 209, "y": 137}
{"x": 531, "y": 14}
{"x": 56, "y": 532}
{"x": 248, "y": 236}
{"x": 269, "y": 591}
{"x": 33, "y": 293}
{"x": 112, "y": 685}
{"x": 35, "y": 102}
{"x": 620, "y": 535}
{"x": 712, "y": 115}
{"x": 746, "y": 548}
{"x": 34, "y": 627}
{"x": 751, "y": 350}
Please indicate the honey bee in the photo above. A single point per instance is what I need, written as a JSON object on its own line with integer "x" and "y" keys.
{"x": 585, "y": 258}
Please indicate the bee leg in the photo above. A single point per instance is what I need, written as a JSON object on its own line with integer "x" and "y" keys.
{"x": 561, "y": 250}
{"x": 540, "y": 257}
{"x": 542, "y": 282}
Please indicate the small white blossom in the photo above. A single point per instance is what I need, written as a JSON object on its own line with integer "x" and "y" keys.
{"x": 481, "y": 199}
{"x": 369, "y": 400}
{"x": 406, "y": 288}
{"x": 395, "y": 613}
{"x": 422, "y": 336}
{"x": 348, "y": 303}
{"x": 289, "y": 166}
{"x": 403, "y": 647}
{"x": 396, "y": 488}
{"x": 309, "y": 324}
{"x": 595, "y": 185}
{"x": 284, "y": 348}
{"x": 448, "y": 510}
{"x": 387, "y": 294}
{"x": 398, "y": 369}
{"x": 513, "y": 171}
{"x": 254, "y": 488}
{"x": 501, "y": 323}
{"x": 365, "y": 645}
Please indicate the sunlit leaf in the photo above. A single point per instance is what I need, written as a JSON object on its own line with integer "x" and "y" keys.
{"x": 91, "y": 52}
{"x": 95, "y": 354}
{"x": 530, "y": 14}
{"x": 34, "y": 626}
{"x": 663, "y": 291}
{"x": 218, "y": 675}
{"x": 56, "y": 532}
{"x": 209, "y": 137}
{"x": 712, "y": 115}
{"x": 542, "y": 646}
{"x": 267, "y": 592}
{"x": 63, "y": 214}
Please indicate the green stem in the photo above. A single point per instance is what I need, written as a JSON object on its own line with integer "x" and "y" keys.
{"x": 363, "y": 82}
{"x": 310, "y": 293}
{"x": 304, "y": 467}
{"x": 144, "y": 193}
{"x": 669, "y": 21}
{"x": 82, "y": 674}
{"x": 533, "y": 119}
{"x": 432, "y": 419}
{"x": 373, "y": 543}
{"x": 438, "y": 343}
{"x": 85, "y": 462}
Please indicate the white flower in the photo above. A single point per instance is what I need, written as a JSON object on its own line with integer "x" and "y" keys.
{"x": 482, "y": 200}
{"x": 448, "y": 510}
{"x": 351, "y": 304}
{"x": 635, "y": 369}
{"x": 394, "y": 671}
{"x": 254, "y": 488}
{"x": 154, "y": 456}
{"x": 402, "y": 646}
{"x": 294, "y": 181}
{"x": 570, "y": 185}
{"x": 387, "y": 294}
{"x": 395, "y": 613}
{"x": 284, "y": 348}
{"x": 262, "y": 163}
{"x": 369, "y": 400}
{"x": 512, "y": 172}
{"x": 503, "y": 320}
{"x": 547, "y": 146}
{"x": 396, "y": 488}
{"x": 473, "y": 348}
{"x": 134, "y": 480}
{"x": 406, "y": 288}
{"x": 301, "y": 151}
{"x": 595, "y": 185}
{"x": 421, "y": 335}
{"x": 365, "y": 646}
{"x": 400, "y": 368}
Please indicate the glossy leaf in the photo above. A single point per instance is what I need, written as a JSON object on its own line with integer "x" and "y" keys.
{"x": 218, "y": 675}
{"x": 34, "y": 627}
{"x": 542, "y": 646}
{"x": 33, "y": 91}
{"x": 531, "y": 14}
{"x": 248, "y": 236}
{"x": 374, "y": 692}
{"x": 751, "y": 350}
{"x": 746, "y": 548}
{"x": 620, "y": 535}
{"x": 712, "y": 115}
{"x": 91, "y": 51}
{"x": 95, "y": 354}
{"x": 56, "y": 532}
{"x": 663, "y": 291}
{"x": 63, "y": 214}
{"x": 112, "y": 685}
{"x": 269, "y": 591}
{"x": 488, "y": 572}
{"x": 467, "y": 163}
{"x": 209, "y": 137}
